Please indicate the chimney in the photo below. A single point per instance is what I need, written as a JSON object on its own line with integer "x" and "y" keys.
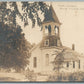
{"x": 73, "y": 47}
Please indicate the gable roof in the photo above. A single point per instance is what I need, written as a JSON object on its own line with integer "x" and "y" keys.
{"x": 51, "y": 16}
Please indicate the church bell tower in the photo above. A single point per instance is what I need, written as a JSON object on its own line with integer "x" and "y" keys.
{"x": 51, "y": 29}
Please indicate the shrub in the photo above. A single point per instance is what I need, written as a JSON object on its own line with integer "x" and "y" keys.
{"x": 30, "y": 75}
{"x": 77, "y": 76}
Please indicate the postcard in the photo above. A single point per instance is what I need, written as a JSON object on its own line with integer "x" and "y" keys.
{"x": 41, "y": 41}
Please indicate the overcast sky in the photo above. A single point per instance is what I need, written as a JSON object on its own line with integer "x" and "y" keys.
{"x": 71, "y": 15}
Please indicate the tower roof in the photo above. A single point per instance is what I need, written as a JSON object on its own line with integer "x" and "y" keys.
{"x": 51, "y": 16}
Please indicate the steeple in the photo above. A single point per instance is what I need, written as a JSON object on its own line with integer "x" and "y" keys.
{"x": 51, "y": 16}
{"x": 51, "y": 23}
{"x": 51, "y": 29}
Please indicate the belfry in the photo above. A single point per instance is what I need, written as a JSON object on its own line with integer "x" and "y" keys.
{"x": 51, "y": 29}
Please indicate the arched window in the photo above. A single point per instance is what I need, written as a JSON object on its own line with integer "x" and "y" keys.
{"x": 35, "y": 62}
{"x": 49, "y": 29}
{"x": 47, "y": 59}
{"x": 67, "y": 64}
{"x": 56, "y": 30}
{"x": 73, "y": 64}
{"x": 79, "y": 64}
{"x": 56, "y": 42}
{"x": 46, "y": 29}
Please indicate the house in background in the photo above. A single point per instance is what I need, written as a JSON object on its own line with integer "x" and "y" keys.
{"x": 42, "y": 53}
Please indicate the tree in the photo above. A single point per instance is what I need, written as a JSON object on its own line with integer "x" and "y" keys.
{"x": 3, "y": 6}
{"x": 58, "y": 61}
{"x": 30, "y": 11}
{"x": 13, "y": 45}
{"x": 14, "y": 49}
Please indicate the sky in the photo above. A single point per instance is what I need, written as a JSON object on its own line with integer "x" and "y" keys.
{"x": 71, "y": 15}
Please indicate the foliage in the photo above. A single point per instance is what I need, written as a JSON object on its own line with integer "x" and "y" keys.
{"x": 3, "y": 6}
{"x": 59, "y": 60}
{"x": 13, "y": 47}
{"x": 31, "y": 11}
{"x": 70, "y": 77}
{"x": 30, "y": 75}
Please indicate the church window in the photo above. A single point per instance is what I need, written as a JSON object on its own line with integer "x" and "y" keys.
{"x": 55, "y": 28}
{"x": 79, "y": 64}
{"x": 46, "y": 30}
{"x": 56, "y": 42}
{"x": 49, "y": 29}
{"x": 56, "y": 31}
{"x": 47, "y": 42}
{"x": 73, "y": 64}
{"x": 47, "y": 60}
{"x": 35, "y": 62}
{"x": 67, "y": 64}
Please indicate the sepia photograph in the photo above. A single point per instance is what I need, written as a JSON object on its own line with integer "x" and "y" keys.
{"x": 41, "y": 41}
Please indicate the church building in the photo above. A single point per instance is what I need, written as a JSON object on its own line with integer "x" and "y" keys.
{"x": 43, "y": 54}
